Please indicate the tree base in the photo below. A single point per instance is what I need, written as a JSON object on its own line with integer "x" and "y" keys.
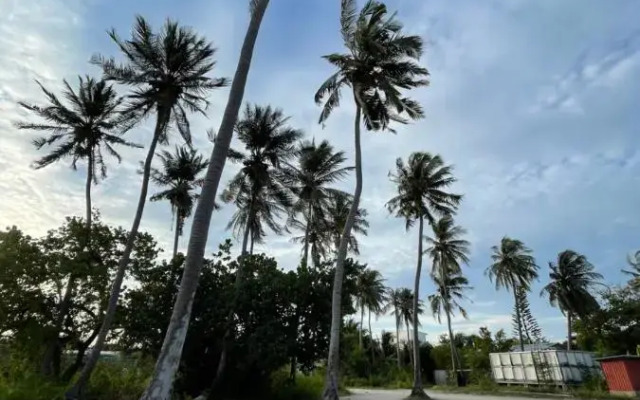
{"x": 417, "y": 394}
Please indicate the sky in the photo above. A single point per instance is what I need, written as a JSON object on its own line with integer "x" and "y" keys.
{"x": 532, "y": 101}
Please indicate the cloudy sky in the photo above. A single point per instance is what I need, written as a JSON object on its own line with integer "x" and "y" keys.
{"x": 532, "y": 101}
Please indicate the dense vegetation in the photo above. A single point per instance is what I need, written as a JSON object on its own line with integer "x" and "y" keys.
{"x": 241, "y": 326}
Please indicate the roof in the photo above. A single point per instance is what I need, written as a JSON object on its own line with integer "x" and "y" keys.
{"x": 534, "y": 347}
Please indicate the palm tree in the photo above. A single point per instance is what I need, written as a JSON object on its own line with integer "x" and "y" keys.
{"x": 168, "y": 71}
{"x": 379, "y": 63}
{"x": 405, "y": 313}
{"x": 422, "y": 185}
{"x": 90, "y": 124}
{"x": 317, "y": 167}
{"x": 513, "y": 268}
{"x": 370, "y": 295}
{"x": 450, "y": 291}
{"x": 572, "y": 278}
{"x": 395, "y": 304}
{"x": 447, "y": 251}
{"x": 634, "y": 272}
{"x": 179, "y": 174}
{"x": 169, "y": 358}
{"x": 258, "y": 189}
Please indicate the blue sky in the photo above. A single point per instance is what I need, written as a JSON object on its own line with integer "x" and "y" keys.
{"x": 532, "y": 101}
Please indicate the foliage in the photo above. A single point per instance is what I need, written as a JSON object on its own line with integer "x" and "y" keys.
{"x": 523, "y": 317}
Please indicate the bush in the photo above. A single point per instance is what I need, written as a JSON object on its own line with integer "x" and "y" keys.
{"x": 121, "y": 380}
{"x": 306, "y": 387}
{"x": 18, "y": 381}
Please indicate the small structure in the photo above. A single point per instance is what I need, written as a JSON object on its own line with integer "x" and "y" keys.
{"x": 543, "y": 367}
{"x": 622, "y": 374}
{"x": 404, "y": 339}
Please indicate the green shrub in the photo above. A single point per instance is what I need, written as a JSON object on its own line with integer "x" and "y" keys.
{"x": 19, "y": 381}
{"x": 306, "y": 387}
{"x": 120, "y": 380}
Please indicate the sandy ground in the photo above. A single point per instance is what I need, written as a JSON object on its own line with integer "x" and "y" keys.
{"x": 375, "y": 394}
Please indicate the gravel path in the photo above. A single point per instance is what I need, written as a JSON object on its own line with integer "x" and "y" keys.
{"x": 376, "y": 394}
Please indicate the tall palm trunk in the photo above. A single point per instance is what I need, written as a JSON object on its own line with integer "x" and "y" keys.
{"x": 398, "y": 340}
{"x": 518, "y": 317}
{"x": 451, "y": 342}
{"x": 331, "y": 381}
{"x": 371, "y": 343}
{"x": 176, "y": 235}
{"x": 169, "y": 358}
{"x": 361, "y": 327}
{"x": 306, "y": 237}
{"x": 77, "y": 390}
{"x": 417, "y": 389}
{"x": 569, "y": 330}
{"x": 409, "y": 344}
{"x": 49, "y": 366}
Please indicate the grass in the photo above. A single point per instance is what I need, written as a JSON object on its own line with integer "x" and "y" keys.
{"x": 531, "y": 391}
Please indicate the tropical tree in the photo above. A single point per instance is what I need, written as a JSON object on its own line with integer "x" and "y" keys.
{"x": 162, "y": 381}
{"x": 315, "y": 169}
{"x": 513, "y": 268}
{"x": 421, "y": 185}
{"x": 379, "y": 63}
{"x": 89, "y": 125}
{"x": 450, "y": 289}
{"x": 634, "y": 272}
{"x": 258, "y": 189}
{"x": 406, "y": 313}
{"x": 395, "y": 304}
{"x": 572, "y": 279}
{"x": 370, "y": 295}
{"x": 448, "y": 251}
{"x": 180, "y": 175}
{"x": 168, "y": 71}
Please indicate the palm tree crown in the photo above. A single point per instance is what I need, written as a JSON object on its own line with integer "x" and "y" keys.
{"x": 380, "y": 62}
{"x": 91, "y": 122}
{"x": 180, "y": 176}
{"x": 258, "y": 189}
{"x": 572, "y": 279}
{"x": 446, "y": 248}
{"x": 449, "y": 293}
{"x": 316, "y": 167}
{"x": 403, "y": 297}
{"x": 513, "y": 265}
{"x": 168, "y": 70}
{"x": 371, "y": 291}
{"x": 421, "y": 189}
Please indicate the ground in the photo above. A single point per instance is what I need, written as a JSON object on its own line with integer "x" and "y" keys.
{"x": 375, "y": 394}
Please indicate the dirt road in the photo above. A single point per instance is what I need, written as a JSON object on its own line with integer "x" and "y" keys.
{"x": 374, "y": 394}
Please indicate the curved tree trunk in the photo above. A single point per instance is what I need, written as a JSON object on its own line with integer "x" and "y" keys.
{"x": 54, "y": 348}
{"x": 518, "y": 317}
{"x": 306, "y": 237}
{"x": 398, "y": 341}
{"x": 451, "y": 343}
{"x": 569, "y": 330}
{"x": 160, "y": 386}
{"x": 331, "y": 381}
{"x": 176, "y": 235}
{"x": 417, "y": 389}
{"x": 371, "y": 343}
{"x": 77, "y": 390}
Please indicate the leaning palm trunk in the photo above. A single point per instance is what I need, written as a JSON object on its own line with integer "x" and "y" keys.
{"x": 518, "y": 317}
{"x": 361, "y": 327}
{"x": 569, "y": 330}
{"x": 176, "y": 235}
{"x": 372, "y": 343}
{"x": 451, "y": 343}
{"x": 306, "y": 238}
{"x": 409, "y": 344}
{"x": 77, "y": 390}
{"x": 417, "y": 389}
{"x": 333, "y": 361}
{"x": 49, "y": 366}
{"x": 160, "y": 386}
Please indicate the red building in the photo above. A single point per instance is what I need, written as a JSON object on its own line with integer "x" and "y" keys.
{"x": 622, "y": 374}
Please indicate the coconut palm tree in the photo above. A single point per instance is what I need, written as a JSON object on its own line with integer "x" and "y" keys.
{"x": 167, "y": 364}
{"x": 180, "y": 175}
{"x": 450, "y": 289}
{"x": 572, "y": 279}
{"x": 258, "y": 189}
{"x": 394, "y": 304}
{"x": 448, "y": 251}
{"x": 422, "y": 194}
{"x": 379, "y": 63}
{"x": 370, "y": 295}
{"x": 513, "y": 268}
{"x": 316, "y": 167}
{"x": 634, "y": 272}
{"x": 168, "y": 71}
{"x": 338, "y": 213}
{"x": 89, "y": 126}
{"x": 405, "y": 313}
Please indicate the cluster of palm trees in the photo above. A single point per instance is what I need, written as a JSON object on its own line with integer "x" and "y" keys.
{"x": 283, "y": 181}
